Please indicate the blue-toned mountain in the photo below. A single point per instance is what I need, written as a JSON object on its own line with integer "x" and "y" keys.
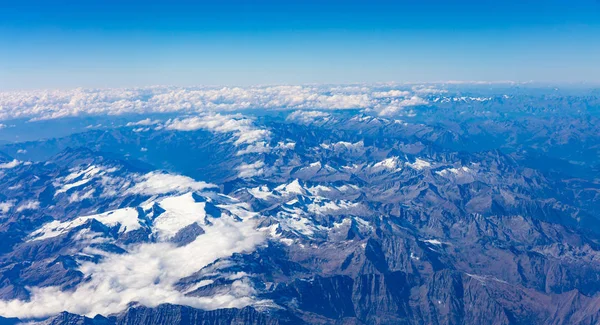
{"x": 481, "y": 209}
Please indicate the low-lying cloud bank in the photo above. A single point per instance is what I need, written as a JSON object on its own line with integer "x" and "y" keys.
{"x": 50, "y": 104}
{"x": 147, "y": 272}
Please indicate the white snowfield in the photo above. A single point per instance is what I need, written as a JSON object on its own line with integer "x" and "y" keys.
{"x": 419, "y": 164}
{"x": 126, "y": 219}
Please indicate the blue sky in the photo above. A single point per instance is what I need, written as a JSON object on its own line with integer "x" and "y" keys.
{"x": 90, "y": 43}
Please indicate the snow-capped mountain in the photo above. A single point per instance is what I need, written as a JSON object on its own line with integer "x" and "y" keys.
{"x": 304, "y": 216}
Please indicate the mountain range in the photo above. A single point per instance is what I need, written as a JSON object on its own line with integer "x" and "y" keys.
{"x": 482, "y": 208}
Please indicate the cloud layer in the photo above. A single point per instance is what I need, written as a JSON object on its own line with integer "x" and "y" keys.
{"x": 243, "y": 128}
{"x": 49, "y": 104}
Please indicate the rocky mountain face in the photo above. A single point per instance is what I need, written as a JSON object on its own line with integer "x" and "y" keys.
{"x": 308, "y": 217}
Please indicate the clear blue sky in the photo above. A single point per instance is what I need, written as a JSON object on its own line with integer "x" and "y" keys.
{"x": 93, "y": 43}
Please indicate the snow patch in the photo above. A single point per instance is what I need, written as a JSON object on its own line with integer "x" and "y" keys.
{"x": 419, "y": 164}
{"x": 126, "y": 218}
{"x": 180, "y": 212}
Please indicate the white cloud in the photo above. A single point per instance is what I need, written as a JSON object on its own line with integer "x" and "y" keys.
{"x": 6, "y": 206}
{"x": 427, "y": 90}
{"x": 286, "y": 145}
{"x": 28, "y": 205}
{"x": 11, "y": 164}
{"x": 78, "y": 197}
{"x": 212, "y": 122}
{"x": 144, "y": 122}
{"x": 147, "y": 274}
{"x": 22, "y": 151}
{"x": 242, "y": 128}
{"x": 155, "y": 183}
{"x": 256, "y": 148}
{"x": 39, "y": 105}
{"x": 391, "y": 93}
{"x": 308, "y": 117}
{"x": 398, "y": 106}
{"x": 251, "y": 136}
{"x": 251, "y": 170}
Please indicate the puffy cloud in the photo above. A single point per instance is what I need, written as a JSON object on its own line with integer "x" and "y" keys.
{"x": 251, "y": 136}
{"x": 341, "y": 101}
{"x": 256, "y": 148}
{"x": 78, "y": 197}
{"x": 46, "y": 104}
{"x": 391, "y": 93}
{"x": 147, "y": 274}
{"x": 212, "y": 122}
{"x": 11, "y": 164}
{"x": 6, "y": 206}
{"x": 155, "y": 183}
{"x": 144, "y": 122}
{"x": 308, "y": 117}
{"x": 28, "y": 205}
{"x": 398, "y": 106}
{"x": 242, "y": 128}
{"x": 251, "y": 170}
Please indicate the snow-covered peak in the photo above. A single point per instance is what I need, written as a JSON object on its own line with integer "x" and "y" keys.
{"x": 293, "y": 187}
{"x": 419, "y": 164}
{"x": 392, "y": 164}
